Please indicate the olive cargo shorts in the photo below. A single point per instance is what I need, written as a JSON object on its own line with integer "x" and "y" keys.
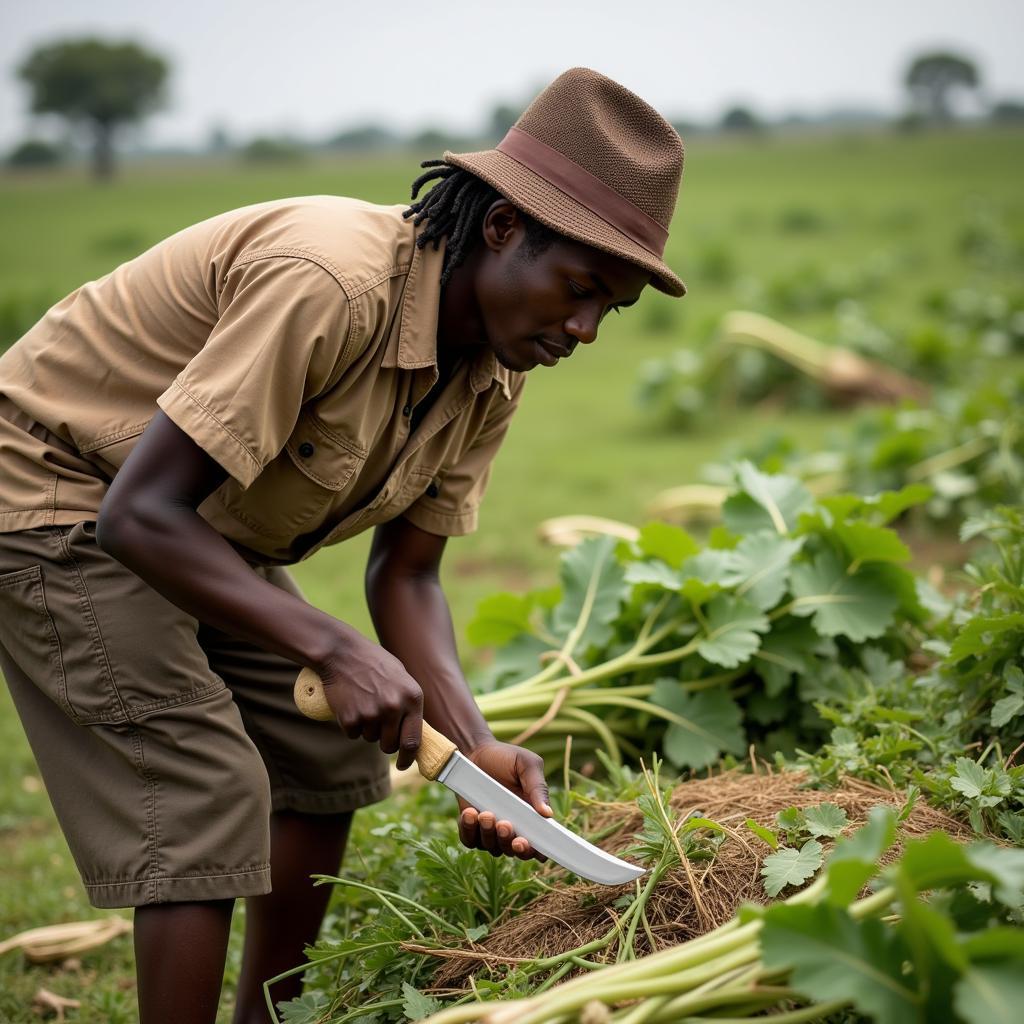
{"x": 164, "y": 744}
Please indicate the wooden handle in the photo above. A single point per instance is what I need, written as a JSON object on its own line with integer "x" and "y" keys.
{"x": 435, "y": 749}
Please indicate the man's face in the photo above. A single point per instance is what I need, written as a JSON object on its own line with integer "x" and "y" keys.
{"x": 535, "y": 309}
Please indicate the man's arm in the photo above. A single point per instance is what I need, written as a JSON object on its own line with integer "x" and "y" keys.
{"x": 148, "y": 521}
{"x": 411, "y": 616}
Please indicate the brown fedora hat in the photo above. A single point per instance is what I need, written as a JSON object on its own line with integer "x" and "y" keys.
{"x": 594, "y": 162}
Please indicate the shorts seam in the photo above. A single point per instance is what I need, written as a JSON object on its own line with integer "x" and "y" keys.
{"x": 251, "y": 869}
{"x": 152, "y": 818}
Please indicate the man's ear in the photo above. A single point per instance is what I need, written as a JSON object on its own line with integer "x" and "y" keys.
{"x": 502, "y": 225}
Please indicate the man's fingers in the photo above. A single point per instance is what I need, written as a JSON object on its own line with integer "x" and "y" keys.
{"x": 489, "y": 839}
{"x": 409, "y": 739}
{"x": 535, "y": 786}
{"x": 469, "y": 834}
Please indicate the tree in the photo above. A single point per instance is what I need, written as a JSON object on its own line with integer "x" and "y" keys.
{"x": 100, "y": 84}
{"x": 740, "y": 119}
{"x": 933, "y": 77}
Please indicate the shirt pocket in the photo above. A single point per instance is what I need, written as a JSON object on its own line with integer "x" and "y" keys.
{"x": 295, "y": 490}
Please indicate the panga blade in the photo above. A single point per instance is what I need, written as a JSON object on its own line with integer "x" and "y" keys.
{"x": 546, "y": 836}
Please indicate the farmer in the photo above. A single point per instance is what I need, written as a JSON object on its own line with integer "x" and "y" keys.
{"x": 253, "y": 388}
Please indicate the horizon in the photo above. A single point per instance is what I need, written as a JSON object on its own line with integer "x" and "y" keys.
{"x": 296, "y": 71}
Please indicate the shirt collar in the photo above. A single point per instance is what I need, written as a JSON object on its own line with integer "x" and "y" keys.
{"x": 413, "y": 346}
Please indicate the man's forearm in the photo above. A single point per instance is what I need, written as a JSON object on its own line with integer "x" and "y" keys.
{"x": 181, "y": 556}
{"x": 411, "y": 616}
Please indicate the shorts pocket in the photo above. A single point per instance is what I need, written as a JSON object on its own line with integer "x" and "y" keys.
{"x": 29, "y": 635}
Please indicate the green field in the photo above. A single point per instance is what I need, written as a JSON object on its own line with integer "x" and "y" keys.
{"x": 765, "y": 208}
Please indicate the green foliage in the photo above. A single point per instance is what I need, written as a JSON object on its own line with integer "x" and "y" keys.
{"x": 791, "y": 867}
{"x": 952, "y": 729}
{"x": 661, "y": 645}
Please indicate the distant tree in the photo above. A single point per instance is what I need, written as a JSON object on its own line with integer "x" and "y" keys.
{"x": 1008, "y": 112}
{"x": 267, "y": 150}
{"x": 740, "y": 119}
{"x": 100, "y": 84}
{"x": 363, "y": 138}
{"x": 502, "y": 117}
{"x": 35, "y": 153}
{"x": 932, "y": 78}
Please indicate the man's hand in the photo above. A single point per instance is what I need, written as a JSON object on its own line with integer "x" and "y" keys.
{"x": 375, "y": 698}
{"x": 520, "y": 771}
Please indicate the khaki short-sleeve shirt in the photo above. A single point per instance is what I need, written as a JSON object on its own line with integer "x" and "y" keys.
{"x": 292, "y": 341}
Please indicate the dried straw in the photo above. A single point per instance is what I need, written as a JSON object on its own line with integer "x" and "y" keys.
{"x": 569, "y": 916}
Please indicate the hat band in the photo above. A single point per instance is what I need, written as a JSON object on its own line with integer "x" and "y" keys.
{"x": 578, "y": 183}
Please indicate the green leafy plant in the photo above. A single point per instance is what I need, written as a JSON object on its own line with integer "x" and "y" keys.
{"x": 663, "y": 644}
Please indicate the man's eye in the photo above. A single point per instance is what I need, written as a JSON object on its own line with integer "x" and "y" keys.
{"x": 578, "y": 290}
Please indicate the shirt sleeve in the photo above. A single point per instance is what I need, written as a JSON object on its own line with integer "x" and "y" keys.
{"x": 281, "y": 334}
{"x": 454, "y": 510}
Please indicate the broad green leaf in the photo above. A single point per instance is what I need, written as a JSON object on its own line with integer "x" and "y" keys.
{"x": 703, "y": 726}
{"x": 790, "y": 867}
{"x": 308, "y": 1008}
{"x": 990, "y": 994}
{"x": 825, "y": 820}
{"x": 891, "y": 503}
{"x": 937, "y": 861}
{"x": 935, "y": 953}
{"x": 416, "y": 1005}
{"x": 593, "y": 588}
{"x": 854, "y": 861}
{"x": 765, "y": 502}
{"x": 977, "y": 635}
{"x": 759, "y": 568}
{"x": 791, "y": 819}
{"x": 784, "y": 653}
{"x": 1005, "y": 868}
{"x": 988, "y": 785}
{"x": 516, "y": 660}
{"x": 866, "y": 543}
{"x": 499, "y": 619}
{"x": 834, "y": 957}
{"x": 762, "y": 833}
{"x": 997, "y": 943}
{"x": 732, "y": 631}
{"x": 655, "y": 572}
{"x": 858, "y": 605}
{"x": 710, "y": 566}
{"x": 697, "y": 591}
{"x": 671, "y": 544}
{"x": 970, "y": 778}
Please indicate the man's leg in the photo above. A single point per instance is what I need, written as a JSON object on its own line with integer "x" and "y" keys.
{"x": 280, "y": 924}
{"x": 179, "y": 960}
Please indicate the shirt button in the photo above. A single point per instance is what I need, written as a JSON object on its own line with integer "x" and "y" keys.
{"x": 306, "y": 449}
{"x": 407, "y": 411}
{"x": 433, "y": 490}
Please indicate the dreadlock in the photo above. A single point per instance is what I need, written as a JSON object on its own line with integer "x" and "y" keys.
{"x": 454, "y": 208}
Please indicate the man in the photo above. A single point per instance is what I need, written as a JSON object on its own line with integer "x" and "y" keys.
{"x": 253, "y": 388}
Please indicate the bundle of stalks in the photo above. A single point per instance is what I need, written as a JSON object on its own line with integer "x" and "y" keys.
{"x": 847, "y": 377}
{"x": 689, "y": 900}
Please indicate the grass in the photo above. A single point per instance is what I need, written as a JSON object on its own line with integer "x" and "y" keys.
{"x": 749, "y": 211}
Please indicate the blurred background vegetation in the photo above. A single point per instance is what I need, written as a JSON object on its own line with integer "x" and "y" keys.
{"x": 901, "y": 239}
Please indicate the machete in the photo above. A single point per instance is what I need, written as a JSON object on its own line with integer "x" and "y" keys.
{"x": 439, "y": 760}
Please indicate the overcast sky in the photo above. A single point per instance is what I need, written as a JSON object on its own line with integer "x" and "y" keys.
{"x": 313, "y": 67}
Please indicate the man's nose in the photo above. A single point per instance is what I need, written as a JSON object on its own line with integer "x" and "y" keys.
{"x": 583, "y": 327}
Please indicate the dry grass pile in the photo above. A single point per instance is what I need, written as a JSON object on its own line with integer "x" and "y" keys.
{"x": 569, "y": 916}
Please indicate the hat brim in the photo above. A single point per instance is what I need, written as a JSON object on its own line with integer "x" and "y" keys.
{"x": 551, "y": 206}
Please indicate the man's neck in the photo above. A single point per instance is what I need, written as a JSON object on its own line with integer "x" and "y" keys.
{"x": 459, "y": 329}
